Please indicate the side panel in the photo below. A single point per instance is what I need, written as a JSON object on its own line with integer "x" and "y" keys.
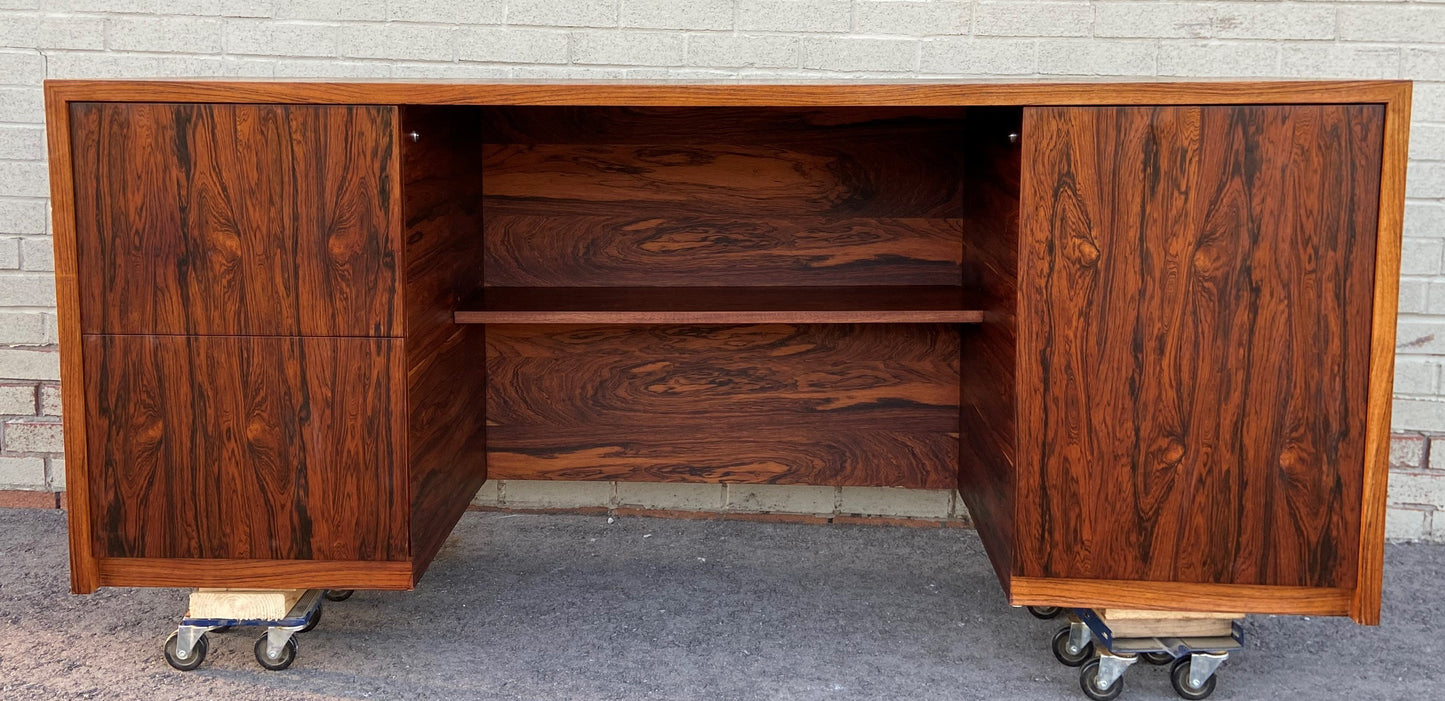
{"x": 987, "y": 409}
{"x": 236, "y": 219}
{"x": 246, "y": 448}
{"x": 1195, "y": 324}
{"x": 446, "y": 376}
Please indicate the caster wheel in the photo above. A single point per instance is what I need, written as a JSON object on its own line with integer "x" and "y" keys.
{"x": 1045, "y": 613}
{"x": 192, "y": 661}
{"x": 311, "y": 624}
{"x": 1179, "y": 678}
{"x": 339, "y": 594}
{"x": 1157, "y": 658}
{"x": 1070, "y": 658}
{"x": 1089, "y": 681}
{"x": 280, "y": 662}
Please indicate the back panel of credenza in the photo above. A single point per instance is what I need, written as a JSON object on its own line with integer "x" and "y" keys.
{"x": 724, "y": 197}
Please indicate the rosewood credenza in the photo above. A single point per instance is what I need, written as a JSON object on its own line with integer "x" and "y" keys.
{"x": 1145, "y": 329}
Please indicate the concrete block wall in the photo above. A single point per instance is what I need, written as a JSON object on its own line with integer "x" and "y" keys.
{"x": 775, "y": 40}
{"x": 811, "y": 503}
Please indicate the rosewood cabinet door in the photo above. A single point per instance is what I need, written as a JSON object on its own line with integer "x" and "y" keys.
{"x": 246, "y": 448}
{"x": 1195, "y": 292}
{"x": 236, "y": 219}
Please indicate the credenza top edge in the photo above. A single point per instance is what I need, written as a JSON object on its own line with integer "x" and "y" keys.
{"x": 638, "y": 94}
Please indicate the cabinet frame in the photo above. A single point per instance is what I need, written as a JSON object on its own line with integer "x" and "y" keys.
{"x": 1361, "y": 603}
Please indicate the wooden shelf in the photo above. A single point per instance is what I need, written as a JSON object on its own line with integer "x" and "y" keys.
{"x": 721, "y": 305}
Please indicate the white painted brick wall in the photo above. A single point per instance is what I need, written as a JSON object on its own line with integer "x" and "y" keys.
{"x": 794, "y": 40}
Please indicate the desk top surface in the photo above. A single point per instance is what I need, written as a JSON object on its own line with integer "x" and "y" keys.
{"x": 980, "y": 93}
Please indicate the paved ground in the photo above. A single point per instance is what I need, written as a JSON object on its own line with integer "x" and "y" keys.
{"x": 571, "y": 607}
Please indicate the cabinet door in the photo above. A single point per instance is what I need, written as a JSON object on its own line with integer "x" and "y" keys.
{"x": 236, "y": 219}
{"x": 246, "y": 448}
{"x": 1194, "y": 329}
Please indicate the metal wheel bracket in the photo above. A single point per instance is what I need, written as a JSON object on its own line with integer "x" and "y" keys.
{"x": 276, "y": 637}
{"x": 1112, "y": 667}
{"x": 1079, "y": 636}
{"x": 1202, "y": 666}
{"x": 186, "y": 638}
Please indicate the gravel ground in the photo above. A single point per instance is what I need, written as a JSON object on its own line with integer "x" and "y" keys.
{"x": 572, "y": 607}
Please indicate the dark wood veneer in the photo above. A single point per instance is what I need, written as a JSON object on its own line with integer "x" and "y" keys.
{"x": 1149, "y": 390}
{"x": 236, "y": 219}
{"x": 988, "y": 417}
{"x": 246, "y": 448}
{"x": 446, "y": 372}
{"x": 1194, "y": 342}
{"x": 777, "y": 403}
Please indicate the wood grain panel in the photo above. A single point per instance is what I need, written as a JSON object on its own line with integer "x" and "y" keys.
{"x": 84, "y": 577}
{"x": 835, "y": 404}
{"x": 666, "y": 93}
{"x": 887, "y": 180}
{"x": 446, "y": 370}
{"x": 987, "y": 402}
{"x": 825, "y": 127}
{"x": 1194, "y": 342}
{"x": 259, "y": 574}
{"x": 541, "y": 249}
{"x": 1180, "y": 596}
{"x": 590, "y": 197}
{"x": 1365, "y": 608}
{"x": 236, "y": 219}
{"x": 246, "y": 448}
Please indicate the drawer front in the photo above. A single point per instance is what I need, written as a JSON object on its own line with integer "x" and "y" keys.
{"x": 246, "y": 448}
{"x": 1195, "y": 317}
{"x": 236, "y": 219}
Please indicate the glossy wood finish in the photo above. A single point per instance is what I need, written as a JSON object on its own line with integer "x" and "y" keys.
{"x": 246, "y": 448}
{"x": 255, "y": 574}
{"x": 605, "y": 197}
{"x": 988, "y": 412}
{"x": 1194, "y": 342}
{"x": 236, "y": 219}
{"x": 782, "y": 217}
{"x": 1015, "y": 92}
{"x": 864, "y": 405}
{"x": 541, "y": 249}
{"x": 445, "y": 361}
{"x": 84, "y": 573}
{"x": 1174, "y": 596}
{"x": 877, "y": 304}
{"x": 615, "y": 239}
{"x": 1365, "y": 606}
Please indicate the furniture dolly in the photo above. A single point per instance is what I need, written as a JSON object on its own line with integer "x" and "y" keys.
{"x": 1146, "y": 330}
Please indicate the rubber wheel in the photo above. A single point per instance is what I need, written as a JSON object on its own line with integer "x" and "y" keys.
{"x": 1157, "y": 658}
{"x": 1061, "y": 650}
{"x": 1089, "y": 682}
{"x": 311, "y": 624}
{"x": 1179, "y": 678}
{"x": 339, "y": 594}
{"x": 288, "y": 654}
{"x": 197, "y": 656}
{"x": 1045, "y": 613}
